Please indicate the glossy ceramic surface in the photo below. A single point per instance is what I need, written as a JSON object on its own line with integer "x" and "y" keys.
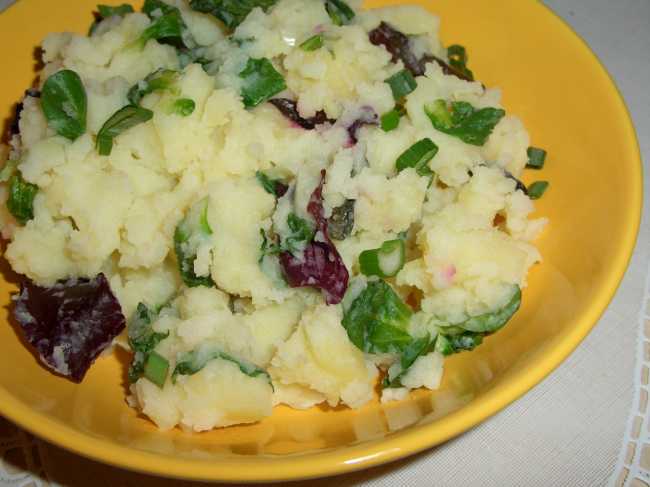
{"x": 571, "y": 108}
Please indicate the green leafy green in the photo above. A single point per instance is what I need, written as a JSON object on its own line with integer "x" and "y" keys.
{"x": 491, "y": 322}
{"x": 64, "y": 104}
{"x": 106, "y": 11}
{"x": 377, "y": 319}
{"x": 536, "y": 158}
{"x": 20, "y": 202}
{"x": 313, "y": 43}
{"x": 401, "y": 83}
{"x": 261, "y": 82}
{"x": 167, "y": 27}
{"x": 302, "y": 232}
{"x": 160, "y": 80}
{"x": 339, "y": 11}
{"x": 271, "y": 186}
{"x": 460, "y": 119}
{"x": 183, "y": 107}
{"x": 418, "y": 156}
{"x": 458, "y": 59}
{"x": 122, "y": 120}
{"x": 450, "y": 344}
{"x": 190, "y": 233}
{"x": 230, "y": 12}
{"x": 142, "y": 339}
{"x": 417, "y": 348}
{"x": 192, "y": 362}
{"x": 157, "y": 8}
{"x": 537, "y": 189}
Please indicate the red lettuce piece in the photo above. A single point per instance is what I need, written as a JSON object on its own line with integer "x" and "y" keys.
{"x": 320, "y": 265}
{"x": 289, "y": 108}
{"x": 70, "y": 323}
{"x": 368, "y": 116}
{"x": 396, "y": 43}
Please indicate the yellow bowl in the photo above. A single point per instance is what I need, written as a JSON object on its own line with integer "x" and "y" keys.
{"x": 570, "y": 106}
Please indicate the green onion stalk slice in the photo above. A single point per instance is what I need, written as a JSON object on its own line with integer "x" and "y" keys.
{"x": 156, "y": 368}
{"x": 385, "y": 261}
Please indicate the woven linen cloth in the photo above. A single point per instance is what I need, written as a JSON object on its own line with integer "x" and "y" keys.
{"x": 587, "y": 424}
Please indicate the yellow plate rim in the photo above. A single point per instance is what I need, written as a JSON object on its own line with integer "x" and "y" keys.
{"x": 377, "y": 452}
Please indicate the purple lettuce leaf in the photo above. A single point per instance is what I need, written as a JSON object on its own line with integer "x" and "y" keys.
{"x": 70, "y": 323}
{"x": 289, "y": 108}
{"x": 320, "y": 264}
{"x": 397, "y": 44}
{"x": 367, "y": 116}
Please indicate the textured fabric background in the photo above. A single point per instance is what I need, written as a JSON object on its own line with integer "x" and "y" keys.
{"x": 577, "y": 428}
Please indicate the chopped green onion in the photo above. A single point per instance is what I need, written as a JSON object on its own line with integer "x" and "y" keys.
{"x": 183, "y": 107}
{"x": 156, "y": 368}
{"x": 418, "y": 156}
{"x": 122, "y": 120}
{"x": 401, "y": 84}
{"x": 261, "y": 82}
{"x": 313, "y": 43}
{"x": 537, "y": 189}
{"x": 536, "y": 158}
{"x": 339, "y": 11}
{"x": 386, "y": 261}
{"x": 458, "y": 59}
{"x": 390, "y": 120}
{"x": 460, "y": 119}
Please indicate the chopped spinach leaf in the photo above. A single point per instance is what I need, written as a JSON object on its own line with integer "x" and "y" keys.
{"x": 168, "y": 27}
{"x": 20, "y": 202}
{"x": 64, "y": 104}
{"x": 261, "y": 82}
{"x": 417, "y": 348}
{"x": 302, "y": 232}
{"x": 272, "y": 186}
{"x": 450, "y": 344}
{"x": 106, "y": 11}
{"x": 156, "y": 8}
{"x": 192, "y": 362}
{"x": 491, "y": 322}
{"x": 462, "y": 120}
{"x": 339, "y": 11}
{"x": 376, "y": 321}
{"x": 159, "y": 80}
{"x": 537, "y": 189}
{"x": 190, "y": 233}
{"x": 536, "y": 158}
{"x": 230, "y": 12}
{"x": 122, "y": 120}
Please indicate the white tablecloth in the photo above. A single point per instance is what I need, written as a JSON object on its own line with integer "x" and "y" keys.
{"x": 584, "y": 425}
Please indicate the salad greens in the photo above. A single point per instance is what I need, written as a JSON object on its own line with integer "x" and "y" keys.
{"x": 20, "y": 202}
{"x": 230, "y": 12}
{"x": 418, "y": 156}
{"x": 460, "y": 119}
{"x": 261, "y": 82}
{"x": 339, "y": 11}
{"x": 192, "y": 362}
{"x": 376, "y": 321}
{"x": 191, "y": 232}
{"x": 537, "y": 189}
{"x": 107, "y": 11}
{"x": 142, "y": 340}
{"x": 159, "y": 80}
{"x": 417, "y": 348}
{"x": 272, "y": 186}
{"x": 536, "y": 158}
{"x": 168, "y": 27}
{"x": 156, "y": 8}
{"x": 64, "y": 104}
{"x": 122, "y": 120}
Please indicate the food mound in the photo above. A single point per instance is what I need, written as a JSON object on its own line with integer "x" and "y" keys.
{"x": 265, "y": 202}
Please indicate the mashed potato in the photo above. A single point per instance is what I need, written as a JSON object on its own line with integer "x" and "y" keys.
{"x": 201, "y": 214}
